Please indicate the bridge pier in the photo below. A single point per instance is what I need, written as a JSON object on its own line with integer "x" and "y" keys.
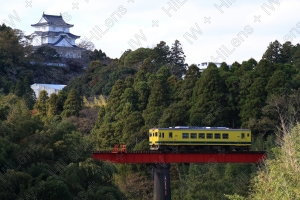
{"x": 162, "y": 189}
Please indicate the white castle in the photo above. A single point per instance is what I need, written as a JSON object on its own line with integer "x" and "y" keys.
{"x": 54, "y": 32}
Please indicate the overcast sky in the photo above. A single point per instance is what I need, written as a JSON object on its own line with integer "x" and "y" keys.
{"x": 217, "y": 30}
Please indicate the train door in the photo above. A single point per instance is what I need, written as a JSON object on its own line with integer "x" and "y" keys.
{"x": 171, "y": 137}
{"x": 243, "y": 138}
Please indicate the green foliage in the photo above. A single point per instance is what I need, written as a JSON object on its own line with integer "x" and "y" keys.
{"x": 97, "y": 55}
{"x": 54, "y": 189}
{"x": 279, "y": 179}
{"x": 72, "y": 105}
{"x": 177, "y": 60}
{"x": 144, "y": 88}
{"x": 137, "y": 56}
{"x": 40, "y": 105}
{"x": 52, "y": 105}
{"x": 45, "y": 54}
{"x": 209, "y": 107}
{"x": 255, "y": 101}
{"x": 13, "y": 49}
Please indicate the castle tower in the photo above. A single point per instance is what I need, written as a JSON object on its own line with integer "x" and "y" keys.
{"x": 54, "y": 32}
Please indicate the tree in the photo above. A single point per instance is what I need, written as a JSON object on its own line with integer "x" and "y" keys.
{"x": 52, "y": 105}
{"x": 14, "y": 48}
{"x": 19, "y": 89}
{"x": 40, "y": 105}
{"x": 156, "y": 104}
{"x": 176, "y": 114}
{"x": 210, "y": 105}
{"x": 287, "y": 52}
{"x": 279, "y": 178}
{"x": 255, "y": 101}
{"x": 97, "y": 55}
{"x": 264, "y": 69}
{"x": 46, "y": 54}
{"x": 190, "y": 79}
{"x": 177, "y": 60}
{"x": 54, "y": 189}
{"x": 86, "y": 44}
{"x": 273, "y": 53}
{"x": 72, "y": 105}
{"x": 161, "y": 53}
{"x": 277, "y": 83}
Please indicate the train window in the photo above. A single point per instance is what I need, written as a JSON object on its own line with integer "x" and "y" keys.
{"x": 225, "y": 136}
{"x": 248, "y": 135}
{"x": 209, "y": 135}
{"x": 185, "y": 135}
{"x": 170, "y": 135}
{"x": 159, "y": 134}
{"x": 163, "y": 135}
{"x": 243, "y": 135}
{"x": 155, "y": 134}
{"x": 201, "y": 135}
{"x": 217, "y": 136}
{"x": 150, "y": 134}
{"x": 194, "y": 135}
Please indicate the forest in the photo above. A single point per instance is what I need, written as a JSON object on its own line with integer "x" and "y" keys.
{"x": 46, "y": 142}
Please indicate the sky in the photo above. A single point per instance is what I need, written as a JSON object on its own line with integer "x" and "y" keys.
{"x": 209, "y": 31}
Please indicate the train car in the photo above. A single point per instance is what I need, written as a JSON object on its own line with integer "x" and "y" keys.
{"x": 199, "y": 138}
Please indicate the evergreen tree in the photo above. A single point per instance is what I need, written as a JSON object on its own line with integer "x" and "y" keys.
{"x": 40, "y": 105}
{"x": 277, "y": 83}
{"x": 156, "y": 104}
{"x": 143, "y": 93}
{"x": 72, "y": 105}
{"x": 273, "y": 53}
{"x": 190, "y": 79}
{"x": 161, "y": 53}
{"x": 264, "y": 69}
{"x": 287, "y": 52}
{"x": 29, "y": 95}
{"x": 175, "y": 115}
{"x": 234, "y": 67}
{"x": 52, "y": 105}
{"x": 224, "y": 66}
{"x": 19, "y": 89}
{"x": 255, "y": 100}
{"x": 210, "y": 106}
{"x": 62, "y": 97}
{"x": 177, "y": 60}
{"x": 114, "y": 104}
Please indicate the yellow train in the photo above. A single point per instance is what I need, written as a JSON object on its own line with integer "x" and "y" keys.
{"x": 199, "y": 138}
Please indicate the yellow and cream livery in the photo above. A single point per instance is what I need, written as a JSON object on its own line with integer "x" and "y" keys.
{"x": 199, "y": 138}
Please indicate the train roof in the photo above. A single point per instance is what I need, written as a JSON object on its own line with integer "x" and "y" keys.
{"x": 198, "y": 128}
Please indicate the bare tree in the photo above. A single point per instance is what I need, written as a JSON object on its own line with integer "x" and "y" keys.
{"x": 86, "y": 44}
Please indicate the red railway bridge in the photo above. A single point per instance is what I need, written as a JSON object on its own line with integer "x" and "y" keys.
{"x": 162, "y": 161}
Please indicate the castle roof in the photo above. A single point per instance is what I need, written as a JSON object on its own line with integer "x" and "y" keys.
{"x": 56, "y": 44}
{"x": 55, "y": 20}
{"x": 53, "y": 33}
